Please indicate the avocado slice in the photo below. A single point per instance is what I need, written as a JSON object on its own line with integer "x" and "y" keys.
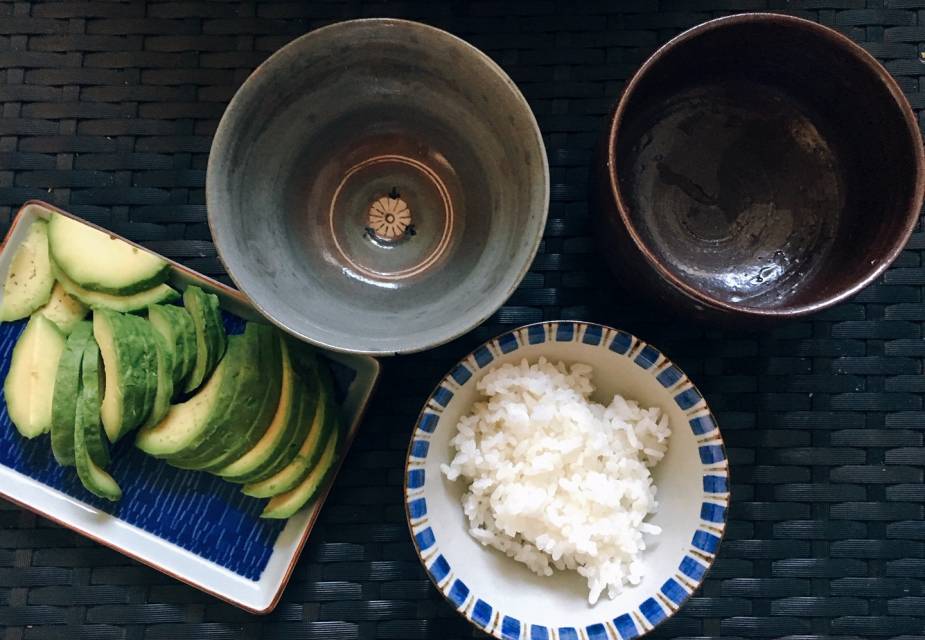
{"x": 63, "y": 309}
{"x": 97, "y": 261}
{"x": 96, "y": 441}
{"x": 30, "y": 382}
{"x": 187, "y": 424}
{"x": 251, "y": 409}
{"x": 210, "y": 334}
{"x": 143, "y": 329}
{"x": 164, "y": 385}
{"x": 311, "y": 370}
{"x": 287, "y": 504}
{"x": 64, "y": 399}
{"x": 130, "y": 360}
{"x": 125, "y": 304}
{"x": 283, "y": 433}
{"x": 304, "y": 417}
{"x": 223, "y": 453}
{"x": 91, "y": 452}
{"x": 176, "y": 325}
{"x": 29, "y": 280}
{"x": 323, "y": 423}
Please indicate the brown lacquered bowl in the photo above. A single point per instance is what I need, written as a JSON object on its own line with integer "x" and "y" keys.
{"x": 758, "y": 166}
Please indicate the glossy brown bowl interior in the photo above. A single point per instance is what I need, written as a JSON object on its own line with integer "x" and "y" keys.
{"x": 764, "y": 165}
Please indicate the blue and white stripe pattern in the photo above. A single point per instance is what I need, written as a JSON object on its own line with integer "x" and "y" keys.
{"x": 696, "y": 558}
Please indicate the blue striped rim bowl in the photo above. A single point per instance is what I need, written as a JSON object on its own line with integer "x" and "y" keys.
{"x": 501, "y": 596}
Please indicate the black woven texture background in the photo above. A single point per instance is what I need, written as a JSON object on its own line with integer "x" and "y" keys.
{"x": 107, "y": 109}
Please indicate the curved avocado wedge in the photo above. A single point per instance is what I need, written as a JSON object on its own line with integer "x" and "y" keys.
{"x": 130, "y": 360}
{"x": 176, "y": 325}
{"x": 97, "y": 261}
{"x": 250, "y": 411}
{"x": 148, "y": 336}
{"x": 305, "y": 460}
{"x": 210, "y": 334}
{"x": 30, "y": 382}
{"x": 164, "y": 385}
{"x": 187, "y": 424}
{"x": 284, "y": 436}
{"x": 124, "y": 304}
{"x": 67, "y": 388}
{"x": 305, "y": 421}
{"x": 64, "y": 310}
{"x": 29, "y": 279}
{"x": 91, "y": 453}
{"x": 287, "y": 504}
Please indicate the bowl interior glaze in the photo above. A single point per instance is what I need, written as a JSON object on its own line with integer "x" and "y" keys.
{"x": 378, "y": 186}
{"x": 766, "y": 164}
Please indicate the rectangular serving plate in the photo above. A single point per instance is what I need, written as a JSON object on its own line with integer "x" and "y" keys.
{"x": 140, "y": 540}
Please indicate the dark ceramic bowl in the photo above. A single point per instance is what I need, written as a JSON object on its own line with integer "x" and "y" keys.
{"x": 377, "y": 186}
{"x": 758, "y": 166}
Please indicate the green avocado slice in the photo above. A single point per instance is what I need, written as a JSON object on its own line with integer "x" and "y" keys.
{"x": 210, "y": 334}
{"x": 271, "y": 419}
{"x": 282, "y": 439}
{"x": 249, "y": 413}
{"x": 91, "y": 452}
{"x": 64, "y": 399}
{"x": 287, "y": 504}
{"x": 189, "y": 423}
{"x": 125, "y": 304}
{"x": 97, "y": 261}
{"x": 143, "y": 329}
{"x": 176, "y": 325}
{"x": 304, "y": 417}
{"x": 312, "y": 447}
{"x": 164, "y": 383}
{"x": 130, "y": 361}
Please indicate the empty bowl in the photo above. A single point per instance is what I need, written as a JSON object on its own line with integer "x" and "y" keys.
{"x": 759, "y": 166}
{"x": 377, "y": 186}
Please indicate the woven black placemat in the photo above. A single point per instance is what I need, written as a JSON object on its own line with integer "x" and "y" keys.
{"x": 108, "y": 109}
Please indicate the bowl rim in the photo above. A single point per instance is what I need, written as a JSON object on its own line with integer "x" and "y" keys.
{"x": 636, "y": 345}
{"x": 220, "y": 143}
{"x": 837, "y": 40}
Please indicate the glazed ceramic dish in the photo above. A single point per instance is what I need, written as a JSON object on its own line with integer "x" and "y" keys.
{"x": 502, "y": 596}
{"x": 192, "y": 526}
{"x": 377, "y": 186}
{"x": 759, "y": 166}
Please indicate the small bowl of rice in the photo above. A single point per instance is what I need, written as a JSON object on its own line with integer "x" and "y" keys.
{"x": 566, "y": 481}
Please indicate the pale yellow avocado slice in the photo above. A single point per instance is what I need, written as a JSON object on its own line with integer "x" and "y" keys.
{"x": 64, "y": 310}
{"x": 29, "y": 279}
{"x": 29, "y": 385}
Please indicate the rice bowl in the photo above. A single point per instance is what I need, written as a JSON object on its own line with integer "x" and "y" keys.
{"x": 504, "y": 597}
{"x": 557, "y": 481}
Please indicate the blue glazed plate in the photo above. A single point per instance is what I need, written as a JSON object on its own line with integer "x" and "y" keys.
{"x": 192, "y": 526}
{"x": 502, "y": 596}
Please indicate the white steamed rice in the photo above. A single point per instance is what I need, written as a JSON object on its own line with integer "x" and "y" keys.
{"x": 557, "y": 481}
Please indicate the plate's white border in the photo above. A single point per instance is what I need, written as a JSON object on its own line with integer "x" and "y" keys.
{"x": 701, "y": 552}
{"x": 260, "y": 596}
